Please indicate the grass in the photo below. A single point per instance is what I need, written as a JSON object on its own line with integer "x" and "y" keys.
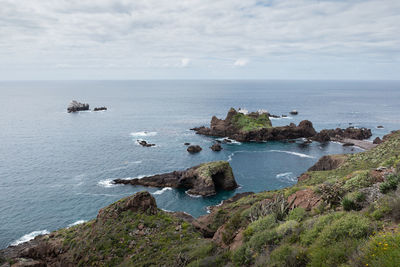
{"x": 248, "y": 123}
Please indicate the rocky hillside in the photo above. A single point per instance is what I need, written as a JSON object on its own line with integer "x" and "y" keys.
{"x": 344, "y": 211}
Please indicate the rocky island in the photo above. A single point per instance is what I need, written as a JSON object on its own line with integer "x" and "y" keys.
{"x": 344, "y": 211}
{"x": 76, "y": 106}
{"x": 203, "y": 180}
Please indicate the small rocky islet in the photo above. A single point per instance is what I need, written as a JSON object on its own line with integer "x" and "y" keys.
{"x": 75, "y": 106}
{"x": 343, "y": 211}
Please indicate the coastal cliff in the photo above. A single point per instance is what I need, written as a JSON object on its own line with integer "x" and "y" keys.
{"x": 344, "y": 211}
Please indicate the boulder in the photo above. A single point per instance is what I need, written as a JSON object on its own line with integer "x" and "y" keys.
{"x": 294, "y": 112}
{"x": 377, "y": 141}
{"x": 75, "y": 106}
{"x": 348, "y": 144}
{"x": 194, "y": 149}
{"x": 328, "y": 162}
{"x": 204, "y": 180}
{"x": 216, "y": 147}
{"x": 305, "y": 199}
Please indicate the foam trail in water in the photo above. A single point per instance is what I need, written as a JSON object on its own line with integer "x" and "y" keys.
{"x": 29, "y": 237}
{"x": 76, "y": 223}
{"x": 190, "y": 195}
{"x": 288, "y": 176}
{"x": 293, "y": 153}
{"x": 143, "y": 133}
{"x": 159, "y": 192}
{"x": 285, "y": 174}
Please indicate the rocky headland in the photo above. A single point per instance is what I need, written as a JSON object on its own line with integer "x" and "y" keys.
{"x": 203, "y": 180}
{"x": 343, "y": 211}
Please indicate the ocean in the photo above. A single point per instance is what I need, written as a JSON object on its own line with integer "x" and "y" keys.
{"x": 56, "y": 167}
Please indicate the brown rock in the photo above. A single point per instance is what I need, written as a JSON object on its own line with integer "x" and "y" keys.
{"x": 377, "y": 141}
{"x": 305, "y": 199}
{"x": 194, "y": 149}
{"x": 216, "y": 147}
{"x": 328, "y": 162}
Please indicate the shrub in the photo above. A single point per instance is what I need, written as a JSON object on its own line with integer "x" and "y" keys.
{"x": 230, "y": 229}
{"x": 332, "y": 255}
{"x": 265, "y": 223}
{"x": 359, "y": 179}
{"x": 287, "y": 227}
{"x": 242, "y": 256}
{"x": 297, "y": 214}
{"x": 389, "y": 184}
{"x": 348, "y": 204}
{"x": 261, "y": 240}
{"x": 287, "y": 256}
{"x": 381, "y": 250}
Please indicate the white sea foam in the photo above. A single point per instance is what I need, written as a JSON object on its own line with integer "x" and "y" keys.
{"x": 285, "y": 174}
{"x": 76, "y": 223}
{"x": 107, "y": 183}
{"x": 272, "y": 118}
{"x": 29, "y": 237}
{"x": 190, "y": 195}
{"x": 159, "y": 192}
{"x": 143, "y": 133}
{"x": 288, "y": 176}
{"x": 232, "y": 141}
{"x": 293, "y": 153}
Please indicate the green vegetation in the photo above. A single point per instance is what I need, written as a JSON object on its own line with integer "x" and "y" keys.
{"x": 390, "y": 184}
{"x": 249, "y": 122}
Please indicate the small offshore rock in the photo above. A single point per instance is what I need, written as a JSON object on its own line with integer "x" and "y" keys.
{"x": 294, "y": 112}
{"x": 99, "y": 108}
{"x": 144, "y": 143}
{"x": 75, "y": 106}
{"x": 348, "y": 144}
{"x": 194, "y": 149}
{"x": 379, "y": 127}
{"x": 187, "y": 144}
{"x": 216, "y": 147}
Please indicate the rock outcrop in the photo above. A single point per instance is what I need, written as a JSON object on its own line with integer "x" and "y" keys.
{"x": 294, "y": 112}
{"x": 328, "y": 162}
{"x": 216, "y": 147}
{"x": 377, "y": 141}
{"x": 339, "y": 134}
{"x": 194, "y": 149}
{"x": 254, "y": 127}
{"x": 204, "y": 180}
{"x": 99, "y": 108}
{"x": 75, "y": 106}
{"x": 144, "y": 143}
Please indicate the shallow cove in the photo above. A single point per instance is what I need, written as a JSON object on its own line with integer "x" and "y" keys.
{"x": 56, "y": 168}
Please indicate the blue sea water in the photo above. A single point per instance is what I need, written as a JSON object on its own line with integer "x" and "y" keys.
{"x": 56, "y": 168}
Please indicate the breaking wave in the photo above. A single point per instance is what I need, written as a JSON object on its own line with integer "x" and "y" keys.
{"x": 159, "y": 192}
{"x": 29, "y": 237}
{"x": 143, "y": 133}
{"x": 76, "y": 223}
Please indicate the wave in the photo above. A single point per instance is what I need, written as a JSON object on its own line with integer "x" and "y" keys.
{"x": 285, "y": 174}
{"x": 289, "y": 118}
{"x": 107, "y": 183}
{"x": 76, "y": 223}
{"x": 29, "y": 237}
{"x": 288, "y": 176}
{"x": 143, "y": 133}
{"x": 190, "y": 195}
{"x": 293, "y": 153}
{"x": 232, "y": 141}
{"x": 159, "y": 192}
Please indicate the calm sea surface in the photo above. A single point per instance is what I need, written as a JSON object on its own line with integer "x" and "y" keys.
{"x": 56, "y": 168}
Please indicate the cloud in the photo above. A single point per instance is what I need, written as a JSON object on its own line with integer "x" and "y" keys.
{"x": 185, "y": 62}
{"x": 282, "y": 38}
{"x": 241, "y": 62}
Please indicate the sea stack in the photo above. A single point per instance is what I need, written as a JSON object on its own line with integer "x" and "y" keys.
{"x": 75, "y": 106}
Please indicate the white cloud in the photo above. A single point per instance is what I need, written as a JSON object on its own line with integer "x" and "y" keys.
{"x": 241, "y": 62}
{"x": 282, "y": 38}
{"x": 185, "y": 62}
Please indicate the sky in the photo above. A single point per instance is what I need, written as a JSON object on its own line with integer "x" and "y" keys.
{"x": 199, "y": 39}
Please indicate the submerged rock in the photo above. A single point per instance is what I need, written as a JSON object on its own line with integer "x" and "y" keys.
{"x": 204, "y": 180}
{"x": 194, "y": 149}
{"x": 75, "y": 106}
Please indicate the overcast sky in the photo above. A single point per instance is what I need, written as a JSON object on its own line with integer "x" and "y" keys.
{"x": 199, "y": 39}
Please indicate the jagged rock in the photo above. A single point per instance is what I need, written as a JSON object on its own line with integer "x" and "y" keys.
{"x": 377, "y": 141}
{"x": 204, "y": 180}
{"x": 305, "y": 199}
{"x": 339, "y": 134}
{"x": 194, "y": 149}
{"x": 75, "y": 106}
{"x": 142, "y": 202}
{"x": 294, "y": 112}
{"x": 328, "y": 162}
{"x": 144, "y": 143}
{"x": 254, "y": 127}
{"x": 216, "y": 147}
{"x": 99, "y": 108}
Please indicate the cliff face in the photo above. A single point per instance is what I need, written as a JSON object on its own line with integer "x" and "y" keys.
{"x": 204, "y": 180}
{"x": 344, "y": 211}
